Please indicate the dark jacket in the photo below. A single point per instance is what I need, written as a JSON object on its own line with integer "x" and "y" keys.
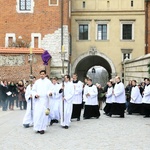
{"x": 4, "y": 90}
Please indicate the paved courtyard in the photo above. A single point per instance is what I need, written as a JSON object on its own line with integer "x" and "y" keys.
{"x": 129, "y": 133}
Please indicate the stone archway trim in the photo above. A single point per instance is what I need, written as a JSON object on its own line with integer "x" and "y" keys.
{"x": 97, "y": 54}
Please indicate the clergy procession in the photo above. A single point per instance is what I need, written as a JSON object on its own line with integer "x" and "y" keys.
{"x": 51, "y": 102}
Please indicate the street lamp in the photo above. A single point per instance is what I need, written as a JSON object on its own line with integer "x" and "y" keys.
{"x": 93, "y": 72}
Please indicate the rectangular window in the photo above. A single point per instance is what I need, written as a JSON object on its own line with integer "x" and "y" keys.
{"x": 83, "y": 5}
{"x": 126, "y": 56}
{"x": 10, "y": 41}
{"x": 131, "y": 3}
{"x": 83, "y": 32}
{"x": 53, "y": 2}
{"x": 25, "y": 5}
{"x": 10, "y": 38}
{"x": 102, "y": 32}
{"x": 36, "y": 42}
{"x": 127, "y": 31}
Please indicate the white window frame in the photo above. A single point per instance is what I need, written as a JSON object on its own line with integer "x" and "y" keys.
{"x": 82, "y": 22}
{"x": 127, "y": 58}
{"x": 121, "y": 27}
{"x": 33, "y": 35}
{"x": 102, "y": 22}
{"x": 49, "y": 1}
{"x": 22, "y": 11}
{"x": 126, "y": 51}
{"x": 7, "y": 36}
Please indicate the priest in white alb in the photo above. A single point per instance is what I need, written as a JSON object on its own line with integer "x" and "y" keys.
{"x": 28, "y": 117}
{"x": 66, "y": 103}
{"x": 40, "y": 90}
{"x": 55, "y": 100}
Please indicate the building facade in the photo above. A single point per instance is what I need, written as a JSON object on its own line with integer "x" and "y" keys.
{"x": 147, "y": 26}
{"x": 105, "y": 33}
{"x": 37, "y": 24}
{"x": 17, "y": 64}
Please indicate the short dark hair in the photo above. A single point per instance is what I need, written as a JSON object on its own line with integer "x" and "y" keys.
{"x": 43, "y": 71}
{"x": 54, "y": 78}
{"x": 68, "y": 76}
{"x": 146, "y": 79}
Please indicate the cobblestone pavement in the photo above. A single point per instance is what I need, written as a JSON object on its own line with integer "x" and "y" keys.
{"x": 129, "y": 133}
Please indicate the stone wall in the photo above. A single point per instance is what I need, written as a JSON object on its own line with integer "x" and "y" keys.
{"x": 16, "y": 66}
{"x": 52, "y": 43}
{"x": 137, "y": 69}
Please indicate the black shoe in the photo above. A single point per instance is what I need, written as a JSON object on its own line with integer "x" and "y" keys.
{"x": 66, "y": 127}
{"x": 146, "y": 116}
{"x": 129, "y": 113}
{"x": 26, "y": 125}
{"x": 78, "y": 119}
{"x": 97, "y": 117}
{"x": 121, "y": 116}
{"x": 86, "y": 117}
{"x": 51, "y": 123}
{"x": 56, "y": 121}
{"x": 109, "y": 114}
{"x": 42, "y": 132}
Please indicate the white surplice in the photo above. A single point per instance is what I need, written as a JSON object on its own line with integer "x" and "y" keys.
{"x": 146, "y": 95}
{"x": 78, "y": 88}
{"x": 28, "y": 117}
{"x": 84, "y": 91}
{"x": 109, "y": 95}
{"x": 41, "y": 87}
{"x": 68, "y": 95}
{"x": 136, "y": 95}
{"x": 93, "y": 98}
{"x": 119, "y": 92}
{"x": 55, "y": 101}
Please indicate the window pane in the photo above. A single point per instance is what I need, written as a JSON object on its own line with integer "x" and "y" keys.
{"x": 102, "y": 32}
{"x": 25, "y": 4}
{"x": 54, "y": 2}
{"x": 127, "y": 32}
{"x": 83, "y": 32}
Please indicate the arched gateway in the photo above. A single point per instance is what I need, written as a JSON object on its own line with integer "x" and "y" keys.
{"x": 92, "y": 58}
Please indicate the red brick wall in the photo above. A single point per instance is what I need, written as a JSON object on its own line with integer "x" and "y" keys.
{"x": 16, "y": 73}
{"x": 45, "y": 19}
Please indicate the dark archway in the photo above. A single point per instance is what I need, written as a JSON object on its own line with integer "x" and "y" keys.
{"x": 86, "y": 63}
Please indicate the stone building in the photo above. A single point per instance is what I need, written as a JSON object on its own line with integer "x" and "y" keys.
{"x": 104, "y": 33}
{"x": 147, "y": 26}
{"x": 39, "y": 24}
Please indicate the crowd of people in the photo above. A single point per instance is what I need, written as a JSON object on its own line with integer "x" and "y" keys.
{"x": 134, "y": 98}
{"x": 51, "y": 101}
{"x": 12, "y": 94}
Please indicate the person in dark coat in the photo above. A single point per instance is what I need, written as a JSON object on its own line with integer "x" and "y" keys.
{"x": 4, "y": 90}
{"x": 21, "y": 95}
{"x": 12, "y": 88}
